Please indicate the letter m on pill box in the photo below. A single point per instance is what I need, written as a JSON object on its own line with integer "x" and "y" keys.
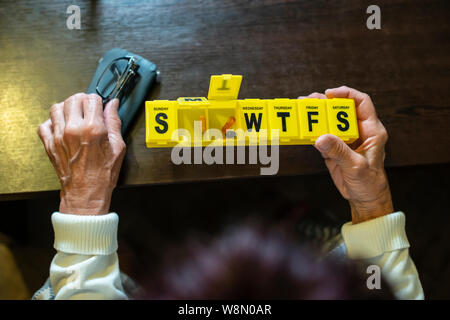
{"x": 222, "y": 119}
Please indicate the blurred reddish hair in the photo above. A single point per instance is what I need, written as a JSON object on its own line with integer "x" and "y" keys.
{"x": 249, "y": 263}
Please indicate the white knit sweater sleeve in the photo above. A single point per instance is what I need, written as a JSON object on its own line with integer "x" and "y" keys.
{"x": 86, "y": 265}
{"x": 383, "y": 242}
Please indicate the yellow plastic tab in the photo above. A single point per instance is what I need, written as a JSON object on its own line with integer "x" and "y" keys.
{"x": 342, "y": 120}
{"x": 161, "y": 121}
{"x": 224, "y": 87}
{"x": 222, "y": 119}
{"x": 283, "y": 117}
{"x": 313, "y": 118}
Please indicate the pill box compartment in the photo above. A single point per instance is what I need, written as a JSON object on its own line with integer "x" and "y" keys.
{"x": 223, "y": 118}
{"x": 187, "y": 118}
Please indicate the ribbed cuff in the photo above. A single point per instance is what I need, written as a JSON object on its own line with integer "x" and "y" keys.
{"x": 374, "y": 237}
{"x": 88, "y": 235}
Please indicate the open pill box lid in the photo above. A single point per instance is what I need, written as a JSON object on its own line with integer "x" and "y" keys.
{"x": 222, "y": 119}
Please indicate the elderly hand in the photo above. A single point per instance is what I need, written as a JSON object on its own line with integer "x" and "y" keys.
{"x": 86, "y": 148}
{"x": 359, "y": 174}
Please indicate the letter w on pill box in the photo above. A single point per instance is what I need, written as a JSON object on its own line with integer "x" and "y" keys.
{"x": 222, "y": 119}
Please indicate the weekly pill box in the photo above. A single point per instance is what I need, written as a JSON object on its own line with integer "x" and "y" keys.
{"x": 222, "y": 119}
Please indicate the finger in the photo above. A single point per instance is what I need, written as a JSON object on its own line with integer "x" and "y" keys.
{"x": 92, "y": 108}
{"x": 73, "y": 108}
{"x": 45, "y": 133}
{"x": 364, "y": 105}
{"x": 57, "y": 119}
{"x": 73, "y": 117}
{"x": 58, "y": 147}
{"x": 334, "y": 148}
{"x": 113, "y": 123}
{"x": 317, "y": 95}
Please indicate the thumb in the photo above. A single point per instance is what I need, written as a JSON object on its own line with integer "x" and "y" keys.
{"x": 334, "y": 148}
{"x": 112, "y": 120}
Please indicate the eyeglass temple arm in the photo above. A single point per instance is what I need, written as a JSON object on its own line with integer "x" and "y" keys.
{"x": 123, "y": 80}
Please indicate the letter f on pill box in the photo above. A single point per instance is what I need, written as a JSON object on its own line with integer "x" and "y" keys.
{"x": 313, "y": 118}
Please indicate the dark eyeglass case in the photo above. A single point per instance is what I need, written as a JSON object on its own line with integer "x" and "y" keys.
{"x": 147, "y": 76}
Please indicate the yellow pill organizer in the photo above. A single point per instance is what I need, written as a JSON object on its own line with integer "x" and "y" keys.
{"x": 222, "y": 119}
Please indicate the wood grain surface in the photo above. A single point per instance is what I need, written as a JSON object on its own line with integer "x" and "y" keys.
{"x": 282, "y": 48}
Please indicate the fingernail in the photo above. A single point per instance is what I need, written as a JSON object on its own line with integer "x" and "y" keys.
{"x": 323, "y": 144}
{"x": 329, "y": 93}
{"x": 114, "y": 103}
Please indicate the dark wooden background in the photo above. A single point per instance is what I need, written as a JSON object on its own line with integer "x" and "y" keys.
{"x": 282, "y": 48}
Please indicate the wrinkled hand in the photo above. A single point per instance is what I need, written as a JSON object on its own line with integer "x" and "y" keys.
{"x": 85, "y": 146}
{"x": 359, "y": 174}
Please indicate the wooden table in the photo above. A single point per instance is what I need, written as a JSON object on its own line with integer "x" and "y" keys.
{"x": 282, "y": 48}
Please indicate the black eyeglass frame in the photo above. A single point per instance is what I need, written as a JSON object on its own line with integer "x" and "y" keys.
{"x": 128, "y": 74}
